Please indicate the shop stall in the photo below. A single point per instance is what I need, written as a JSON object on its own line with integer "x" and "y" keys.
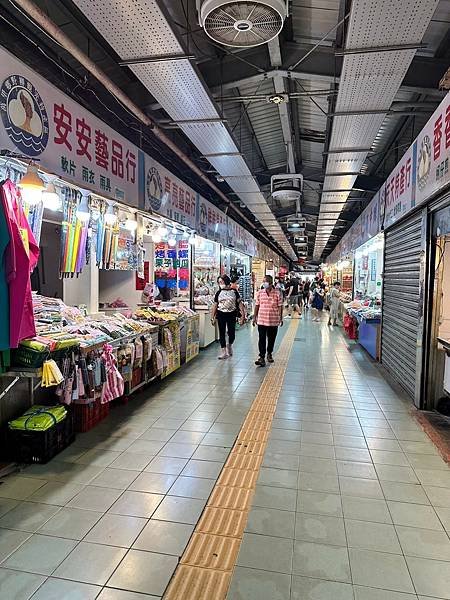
{"x": 258, "y": 273}
{"x": 238, "y": 266}
{"x": 205, "y": 272}
{"x": 368, "y": 270}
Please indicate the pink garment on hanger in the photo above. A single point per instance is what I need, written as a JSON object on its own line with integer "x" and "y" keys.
{"x": 21, "y": 258}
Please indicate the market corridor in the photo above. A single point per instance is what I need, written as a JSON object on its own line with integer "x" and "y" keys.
{"x": 351, "y": 499}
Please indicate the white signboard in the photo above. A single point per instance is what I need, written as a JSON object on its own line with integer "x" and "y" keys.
{"x": 42, "y": 123}
{"x": 400, "y": 188}
{"x": 167, "y": 195}
{"x": 433, "y": 153}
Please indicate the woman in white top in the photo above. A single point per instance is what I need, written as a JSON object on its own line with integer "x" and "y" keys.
{"x": 226, "y": 309}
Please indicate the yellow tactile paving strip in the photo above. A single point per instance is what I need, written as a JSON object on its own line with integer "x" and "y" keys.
{"x": 207, "y": 564}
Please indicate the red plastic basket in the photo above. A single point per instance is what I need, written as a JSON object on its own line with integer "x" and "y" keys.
{"x": 87, "y": 416}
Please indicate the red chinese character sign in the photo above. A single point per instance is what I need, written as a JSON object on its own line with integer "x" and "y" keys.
{"x": 39, "y": 121}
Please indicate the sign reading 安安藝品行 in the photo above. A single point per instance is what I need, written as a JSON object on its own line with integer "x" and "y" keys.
{"x": 42, "y": 123}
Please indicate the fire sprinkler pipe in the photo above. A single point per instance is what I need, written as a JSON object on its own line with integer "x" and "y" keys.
{"x": 39, "y": 17}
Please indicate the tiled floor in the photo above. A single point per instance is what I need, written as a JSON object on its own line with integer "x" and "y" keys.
{"x": 352, "y": 501}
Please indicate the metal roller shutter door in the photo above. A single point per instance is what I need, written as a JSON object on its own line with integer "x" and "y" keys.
{"x": 402, "y": 312}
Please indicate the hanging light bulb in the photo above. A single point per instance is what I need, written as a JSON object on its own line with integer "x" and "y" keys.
{"x": 50, "y": 197}
{"x": 185, "y": 234}
{"x": 110, "y": 215}
{"x": 172, "y": 241}
{"x": 174, "y": 230}
{"x": 192, "y": 238}
{"x": 32, "y": 185}
{"x": 131, "y": 224}
{"x": 83, "y": 212}
{"x": 162, "y": 230}
{"x": 156, "y": 237}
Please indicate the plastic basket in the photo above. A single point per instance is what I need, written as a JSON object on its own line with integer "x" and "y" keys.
{"x": 87, "y": 416}
{"x": 28, "y": 357}
{"x": 40, "y": 446}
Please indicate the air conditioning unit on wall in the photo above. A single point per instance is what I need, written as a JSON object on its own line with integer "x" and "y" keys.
{"x": 242, "y": 24}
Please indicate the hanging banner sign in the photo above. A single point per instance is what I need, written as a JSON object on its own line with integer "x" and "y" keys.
{"x": 211, "y": 222}
{"x": 42, "y": 123}
{"x": 423, "y": 171}
{"x": 240, "y": 239}
{"x": 400, "y": 188}
{"x": 433, "y": 153}
{"x": 370, "y": 221}
{"x": 167, "y": 195}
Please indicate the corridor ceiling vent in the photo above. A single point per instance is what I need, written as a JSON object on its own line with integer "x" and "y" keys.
{"x": 242, "y": 24}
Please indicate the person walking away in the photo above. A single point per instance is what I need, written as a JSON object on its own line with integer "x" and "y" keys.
{"x": 335, "y": 295}
{"x": 292, "y": 296}
{"x": 268, "y": 317}
{"x": 306, "y": 290}
{"x": 317, "y": 302}
{"x": 226, "y": 309}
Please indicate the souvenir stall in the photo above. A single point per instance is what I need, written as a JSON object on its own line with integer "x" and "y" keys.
{"x": 368, "y": 270}
{"x": 77, "y": 356}
{"x": 363, "y": 319}
{"x": 343, "y": 272}
{"x": 205, "y": 272}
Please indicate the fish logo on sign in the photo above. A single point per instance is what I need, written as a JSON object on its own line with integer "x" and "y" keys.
{"x": 154, "y": 189}
{"x": 24, "y": 115}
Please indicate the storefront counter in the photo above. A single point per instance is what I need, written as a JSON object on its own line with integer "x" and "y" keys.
{"x": 207, "y": 331}
{"x": 369, "y": 336}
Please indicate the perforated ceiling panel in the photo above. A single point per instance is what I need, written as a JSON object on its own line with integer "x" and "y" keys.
{"x": 369, "y": 81}
{"x": 139, "y": 28}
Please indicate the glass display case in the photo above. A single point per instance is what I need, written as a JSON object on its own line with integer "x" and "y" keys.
{"x": 368, "y": 270}
{"x": 205, "y": 271}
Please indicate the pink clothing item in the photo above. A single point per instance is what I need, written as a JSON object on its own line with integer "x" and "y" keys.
{"x": 114, "y": 386}
{"x": 21, "y": 258}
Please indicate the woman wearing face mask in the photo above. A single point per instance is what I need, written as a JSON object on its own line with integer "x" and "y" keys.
{"x": 226, "y": 308}
{"x": 268, "y": 317}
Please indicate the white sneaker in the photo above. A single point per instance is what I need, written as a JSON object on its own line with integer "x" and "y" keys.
{"x": 223, "y": 355}
{"x": 230, "y": 349}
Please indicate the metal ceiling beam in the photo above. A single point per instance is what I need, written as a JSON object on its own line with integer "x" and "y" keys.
{"x": 369, "y": 49}
{"x": 283, "y": 109}
{"x": 423, "y": 76}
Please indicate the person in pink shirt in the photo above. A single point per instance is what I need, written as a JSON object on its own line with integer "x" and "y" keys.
{"x": 268, "y": 317}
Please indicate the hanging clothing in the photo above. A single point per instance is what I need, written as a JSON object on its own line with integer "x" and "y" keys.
{"x": 4, "y": 277}
{"x": 114, "y": 385}
{"x": 21, "y": 259}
